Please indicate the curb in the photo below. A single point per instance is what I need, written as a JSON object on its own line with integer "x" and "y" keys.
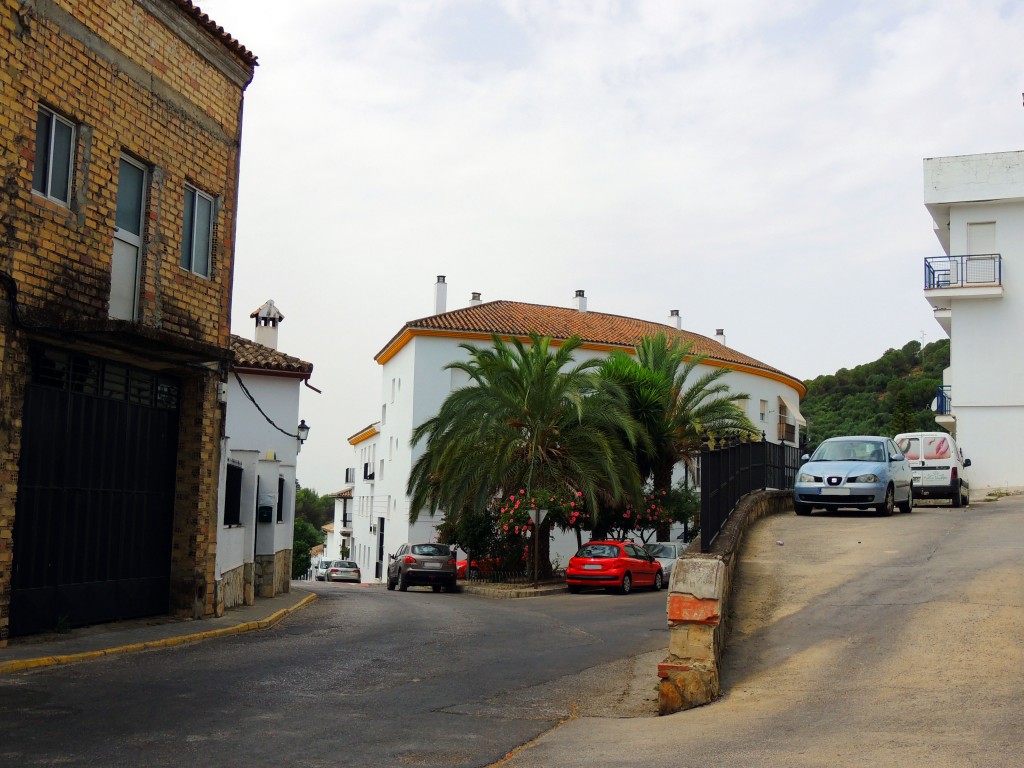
{"x": 167, "y": 642}
{"x": 511, "y": 594}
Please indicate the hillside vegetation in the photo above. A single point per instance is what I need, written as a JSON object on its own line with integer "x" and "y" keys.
{"x": 890, "y": 395}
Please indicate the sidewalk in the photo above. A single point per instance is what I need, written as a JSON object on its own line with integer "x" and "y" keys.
{"x": 142, "y": 634}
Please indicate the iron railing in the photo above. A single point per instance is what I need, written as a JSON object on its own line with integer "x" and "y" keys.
{"x": 963, "y": 271}
{"x": 943, "y": 400}
{"x": 731, "y": 469}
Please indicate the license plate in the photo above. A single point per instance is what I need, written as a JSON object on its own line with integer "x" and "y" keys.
{"x": 431, "y": 565}
{"x": 591, "y": 567}
{"x": 833, "y": 491}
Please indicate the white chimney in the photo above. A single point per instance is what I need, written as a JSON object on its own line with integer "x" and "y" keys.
{"x": 440, "y": 295}
{"x": 581, "y": 301}
{"x": 720, "y": 336}
{"x": 675, "y": 319}
{"x": 474, "y": 299}
{"x": 267, "y": 319}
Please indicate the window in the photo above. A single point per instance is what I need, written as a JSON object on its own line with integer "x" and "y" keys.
{"x": 197, "y": 233}
{"x": 55, "y": 146}
{"x": 127, "y": 258}
{"x": 764, "y": 410}
{"x": 280, "y": 499}
{"x": 233, "y": 496}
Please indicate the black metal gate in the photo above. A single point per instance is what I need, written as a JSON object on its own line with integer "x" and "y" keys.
{"x": 94, "y": 516}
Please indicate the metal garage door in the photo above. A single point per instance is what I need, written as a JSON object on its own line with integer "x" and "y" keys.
{"x": 94, "y": 516}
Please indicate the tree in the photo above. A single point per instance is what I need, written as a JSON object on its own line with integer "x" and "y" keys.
{"x": 305, "y": 538}
{"x": 314, "y": 509}
{"x": 902, "y": 418}
{"x": 531, "y": 418}
{"x": 675, "y": 404}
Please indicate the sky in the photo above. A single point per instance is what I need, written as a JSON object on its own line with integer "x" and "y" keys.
{"x": 756, "y": 165}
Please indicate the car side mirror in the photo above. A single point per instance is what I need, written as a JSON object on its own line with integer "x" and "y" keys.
{"x": 898, "y": 457}
{"x": 967, "y": 463}
{"x": 805, "y": 457}
{"x": 391, "y": 557}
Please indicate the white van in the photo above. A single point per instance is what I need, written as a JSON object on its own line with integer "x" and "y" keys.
{"x": 938, "y": 466}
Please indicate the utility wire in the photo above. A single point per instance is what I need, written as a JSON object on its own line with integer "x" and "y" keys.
{"x": 252, "y": 399}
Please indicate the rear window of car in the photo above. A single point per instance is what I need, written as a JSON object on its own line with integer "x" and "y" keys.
{"x": 430, "y": 550}
{"x": 662, "y": 550}
{"x": 346, "y": 564}
{"x": 598, "y": 550}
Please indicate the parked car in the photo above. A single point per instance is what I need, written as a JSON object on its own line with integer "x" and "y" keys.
{"x": 422, "y": 564}
{"x": 343, "y": 570}
{"x": 321, "y": 568}
{"x": 862, "y": 472}
{"x": 938, "y": 466}
{"x": 666, "y": 553}
{"x": 614, "y": 565}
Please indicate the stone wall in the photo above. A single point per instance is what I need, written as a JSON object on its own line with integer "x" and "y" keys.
{"x": 698, "y": 604}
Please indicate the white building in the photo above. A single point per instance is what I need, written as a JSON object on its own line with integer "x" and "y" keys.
{"x": 259, "y": 452}
{"x": 977, "y": 204}
{"x": 415, "y": 383}
{"x": 338, "y": 534}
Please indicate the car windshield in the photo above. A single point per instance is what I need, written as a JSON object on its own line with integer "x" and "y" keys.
{"x": 849, "y": 450}
{"x": 430, "y": 550}
{"x": 598, "y": 550}
{"x": 662, "y": 550}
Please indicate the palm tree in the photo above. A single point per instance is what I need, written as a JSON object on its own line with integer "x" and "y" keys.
{"x": 529, "y": 419}
{"x": 675, "y": 404}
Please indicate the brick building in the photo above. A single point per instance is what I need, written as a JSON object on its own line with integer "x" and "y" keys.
{"x": 120, "y": 133}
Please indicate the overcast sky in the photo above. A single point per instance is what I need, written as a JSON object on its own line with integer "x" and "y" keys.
{"x": 755, "y": 164}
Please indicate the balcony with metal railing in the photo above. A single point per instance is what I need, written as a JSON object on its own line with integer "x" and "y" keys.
{"x": 962, "y": 277}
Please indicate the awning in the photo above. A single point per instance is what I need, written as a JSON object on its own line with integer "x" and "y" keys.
{"x": 793, "y": 411}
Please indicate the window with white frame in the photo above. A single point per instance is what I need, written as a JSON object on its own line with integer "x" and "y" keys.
{"x": 55, "y": 151}
{"x": 197, "y": 232}
{"x": 764, "y": 410}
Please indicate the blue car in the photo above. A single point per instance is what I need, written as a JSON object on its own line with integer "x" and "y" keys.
{"x": 860, "y": 472}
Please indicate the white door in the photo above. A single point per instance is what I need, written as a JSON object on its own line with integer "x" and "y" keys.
{"x": 125, "y": 261}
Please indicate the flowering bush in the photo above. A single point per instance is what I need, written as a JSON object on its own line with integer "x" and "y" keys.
{"x": 516, "y": 515}
{"x": 645, "y": 515}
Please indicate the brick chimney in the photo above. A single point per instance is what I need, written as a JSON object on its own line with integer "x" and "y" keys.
{"x": 268, "y": 317}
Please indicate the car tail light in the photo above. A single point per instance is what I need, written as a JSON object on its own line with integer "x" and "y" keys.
{"x": 409, "y": 559}
{"x": 955, "y": 475}
{"x": 451, "y": 561}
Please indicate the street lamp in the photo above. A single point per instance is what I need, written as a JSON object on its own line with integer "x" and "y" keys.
{"x": 303, "y": 431}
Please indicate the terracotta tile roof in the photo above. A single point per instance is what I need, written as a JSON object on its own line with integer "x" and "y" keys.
{"x": 328, "y": 528}
{"x": 597, "y": 329}
{"x": 317, "y": 550}
{"x": 345, "y": 494}
{"x": 250, "y": 355}
{"x": 217, "y": 31}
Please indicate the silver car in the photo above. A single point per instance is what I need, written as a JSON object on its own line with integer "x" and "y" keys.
{"x": 321, "y": 568}
{"x": 343, "y": 570}
{"x": 666, "y": 553}
{"x": 422, "y": 565}
{"x": 861, "y": 472}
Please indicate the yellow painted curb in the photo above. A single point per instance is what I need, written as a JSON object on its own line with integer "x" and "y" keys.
{"x": 73, "y": 658}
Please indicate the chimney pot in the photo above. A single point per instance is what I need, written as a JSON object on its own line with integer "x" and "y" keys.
{"x": 474, "y": 298}
{"x": 581, "y": 301}
{"x": 720, "y": 336}
{"x": 676, "y": 320}
{"x": 267, "y": 317}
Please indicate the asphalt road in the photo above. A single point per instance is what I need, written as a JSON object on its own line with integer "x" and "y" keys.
{"x": 857, "y": 641}
{"x": 362, "y": 677}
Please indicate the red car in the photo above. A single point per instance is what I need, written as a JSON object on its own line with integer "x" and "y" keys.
{"x": 614, "y": 565}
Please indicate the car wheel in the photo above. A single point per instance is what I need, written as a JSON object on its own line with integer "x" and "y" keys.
{"x": 627, "y": 584}
{"x": 403, "y": 583}
{"x": 574, "y": 588}
{"x": 907, "y": 506}
{"x": 958, "y": 499}
{"x": 887, "y": 506}
{"x": 659, "y": 579}
{"x": 391, "y": 584}
{"x": 801, "y": 509}
{"x": 474, "y": 574}
{"x": 967, "y": 498}
{"x": 452, "y": 586}
{"x": 435, "y": 587}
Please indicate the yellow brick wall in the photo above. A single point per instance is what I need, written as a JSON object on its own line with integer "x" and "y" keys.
{"x": 130, "y": 85}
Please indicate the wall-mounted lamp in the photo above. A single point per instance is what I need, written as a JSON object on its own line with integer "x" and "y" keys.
{"x": 303, "y": 431}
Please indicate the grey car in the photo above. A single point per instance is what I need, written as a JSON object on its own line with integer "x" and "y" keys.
{"x": 321, "y": 568}
{"x": 430, "y": 565}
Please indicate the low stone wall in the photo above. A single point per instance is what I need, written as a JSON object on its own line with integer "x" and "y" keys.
{"x": 235, "y": 588}
{"x": 698, "y": 604}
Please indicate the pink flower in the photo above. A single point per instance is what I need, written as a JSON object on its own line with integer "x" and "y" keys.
{"x": 505, "y": 527}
